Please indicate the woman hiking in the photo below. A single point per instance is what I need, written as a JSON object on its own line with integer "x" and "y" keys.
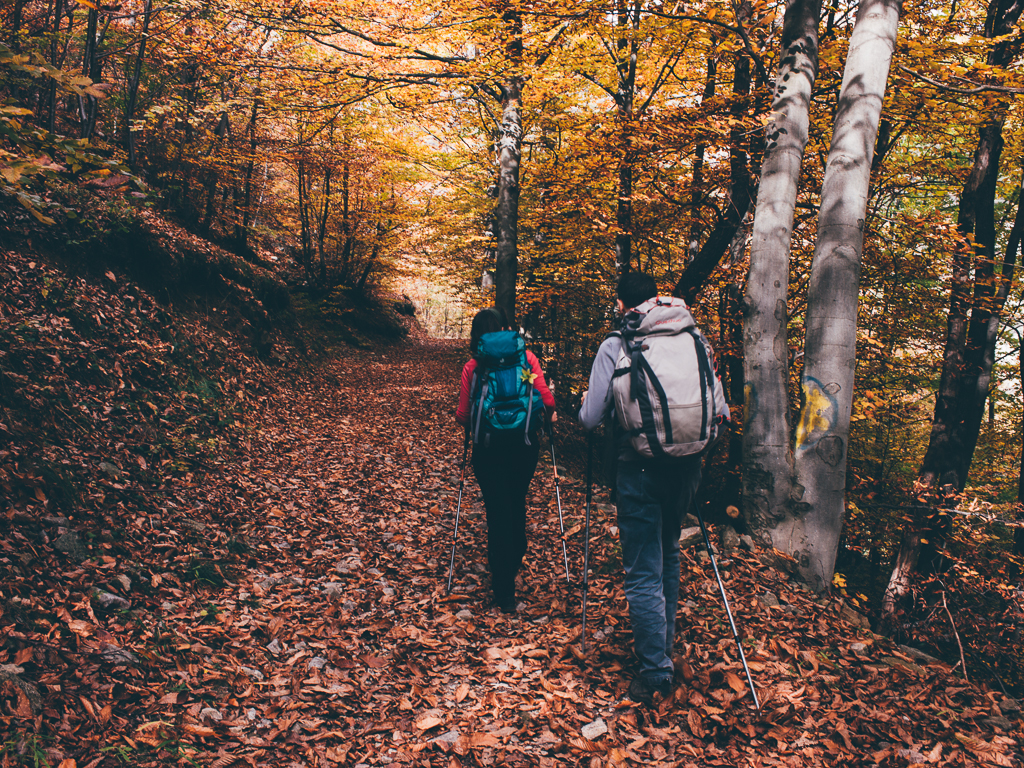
{"x": 503, "y": 402}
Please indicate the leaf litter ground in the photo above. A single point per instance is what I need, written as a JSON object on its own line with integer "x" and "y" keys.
{"x": 286, "y": 605}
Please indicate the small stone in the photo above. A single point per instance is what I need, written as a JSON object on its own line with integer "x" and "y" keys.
{"x": 317, "y": 662}
{"x": 274, "y": 646}
{"x": 850, "y": 616}
{"x": 168, "y": 607}
{"x": 268, "y": 584}
{"x": 69, "y": 543}
{"x": 334, "y": 590}
{"x": 110, "y": 602}
{"x": 919, "y": 656}
{"x": 111, "y": 469}
{"x": 465, "y": 614}
{"x": 373, "y": 572}
{"x": 768, "y": 600}
{"x": 998, "y": 722}
{"x": 210, "y": 713}
{"x": 689, "y": 537}
{"x": 253, "y": 674}
{"x": 124, "y": 582}
{"x": 348, "y": 605}
{"x": 748, "y": 543}
{"x": 859, "y": 649}
{"x": 251, "y": 714}
{"x": 598, "y": 636}
{"x": 728, "y": 538}
{"x": 1010, "y": 707}
{"x": 911, "y": 755}
{"x": 594, "y": 730}
{"x": 119, "y": 657}
{"x": 448, "y": 738}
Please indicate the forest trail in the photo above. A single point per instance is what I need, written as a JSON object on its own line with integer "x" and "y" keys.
{"x": 286, "y": 606}
{"x": 344, "y": 647}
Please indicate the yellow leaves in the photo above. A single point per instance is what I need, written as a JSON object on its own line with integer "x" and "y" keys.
{"x": 528, "y": 376}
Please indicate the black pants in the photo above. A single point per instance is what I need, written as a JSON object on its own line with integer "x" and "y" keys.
{"x": 504, "y": 469}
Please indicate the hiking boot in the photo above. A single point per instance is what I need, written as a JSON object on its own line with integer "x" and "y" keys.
{"x": 642, "y": 691}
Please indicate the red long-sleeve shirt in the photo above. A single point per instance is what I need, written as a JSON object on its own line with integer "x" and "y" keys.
{"x": 462, "y": 412}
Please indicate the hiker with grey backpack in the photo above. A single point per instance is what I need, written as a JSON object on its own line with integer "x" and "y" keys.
{"x": 504, "y": 403}
{"x": 654, "y": 382}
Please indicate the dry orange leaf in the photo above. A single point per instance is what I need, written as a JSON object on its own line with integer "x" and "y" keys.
{"x": 427, "y": 722}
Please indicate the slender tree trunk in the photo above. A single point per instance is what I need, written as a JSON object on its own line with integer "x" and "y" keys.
{"x": 14, "y": 36}
{"x": 627, "y": 20}
{"x": 696, "y": 191}
{"x": 306, "y": 237}
{"x": 133, "y": 87}
{"x": 89, "y": 58}
{"x": 51, "y": 92}
{"x": 1018, "y": 536}
{"x": 322, "y": 220}
{"x": 768, "y": 471}
{"x": 250, "y": 167}
{"x": 971, "y": 330}
{"x": 510, "y": 152}
{"x": 831, "y": 328}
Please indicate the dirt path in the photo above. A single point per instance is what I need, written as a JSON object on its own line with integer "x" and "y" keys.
{"x": 288, "y": 608}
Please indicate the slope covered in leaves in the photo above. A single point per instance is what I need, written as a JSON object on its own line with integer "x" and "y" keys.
{"x": 266, "y": 586}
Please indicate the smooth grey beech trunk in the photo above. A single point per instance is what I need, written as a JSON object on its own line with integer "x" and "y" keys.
{"x": 510, "y": 143}
{"x": 768, "y": 472}
{"x": 822, "y": 436}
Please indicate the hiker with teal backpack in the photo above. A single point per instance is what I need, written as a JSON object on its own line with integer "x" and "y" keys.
{"x": 504, "y": 403}
{"x": 654, "y": 382}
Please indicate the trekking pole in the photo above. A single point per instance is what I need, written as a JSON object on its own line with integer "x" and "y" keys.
{"x": 728, "y": 612}
{"x": 558, "y": 499}
{"x": 586, "y": 538}
{"x": 458, "y": 508}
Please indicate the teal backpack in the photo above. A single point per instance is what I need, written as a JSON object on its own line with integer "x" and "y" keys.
{"x": 503, "y": 397}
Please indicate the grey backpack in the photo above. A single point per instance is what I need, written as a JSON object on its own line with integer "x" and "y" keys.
{"x": 664, "y": 385}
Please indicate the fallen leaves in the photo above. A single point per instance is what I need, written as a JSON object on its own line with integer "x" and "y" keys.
{"x": 288, "y": 604}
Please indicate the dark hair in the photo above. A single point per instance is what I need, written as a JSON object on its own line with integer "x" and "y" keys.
{"x": 635, "y": 288}
{"x": 486, "y": 321}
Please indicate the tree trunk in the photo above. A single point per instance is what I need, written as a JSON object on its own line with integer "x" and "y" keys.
{"x": 322, "y": 219}
{"x": 768, "y": 472}
{"x": 51, "y": 90}
{"x": 627, "y": 20}
{"x": 971, "y": 329}
{"x": 306, "y": 240}
{"x": 696, "y": 191}
{"x": 1018, "y": 535}
{"x": 133, "y": 87}
{"x": 510, "y": 151}
{"x": 242, "y": 235}
{"x": 14, "y": 38}
{"x": 89, "y": 58}
{"x": 831, "y": 328}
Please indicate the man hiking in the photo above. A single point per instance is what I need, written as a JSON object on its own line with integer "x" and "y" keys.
{"x": 657, "y": 376}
